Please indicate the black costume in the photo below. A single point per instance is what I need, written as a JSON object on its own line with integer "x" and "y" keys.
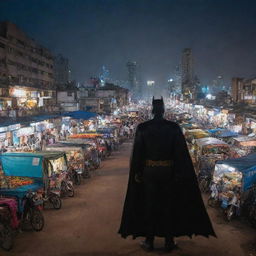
{"x": 163, "y": 198}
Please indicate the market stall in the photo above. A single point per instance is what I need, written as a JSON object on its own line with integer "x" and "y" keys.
{"x": 208, "y": 151}
{"x": 233, "y": 179}
{"x": 244, "y": 145}
{"x": 75, "y": 154}
{"x": 192, "y": 134}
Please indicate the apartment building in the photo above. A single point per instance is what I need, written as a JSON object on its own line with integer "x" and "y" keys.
{"x": 26, "y": 71}
{"x": 244, "y": 90}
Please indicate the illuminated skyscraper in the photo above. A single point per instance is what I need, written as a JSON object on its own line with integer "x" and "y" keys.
{"x": 132, "y": 74}
{"x": 187, "y": 74}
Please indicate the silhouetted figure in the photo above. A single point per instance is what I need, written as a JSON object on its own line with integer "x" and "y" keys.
{"x": 163, "y": 198}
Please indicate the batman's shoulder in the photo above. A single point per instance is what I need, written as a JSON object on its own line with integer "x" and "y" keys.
{"x": 145, "y": 125}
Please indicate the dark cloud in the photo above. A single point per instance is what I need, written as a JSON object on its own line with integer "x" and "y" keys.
{"x": 92, "y": 33}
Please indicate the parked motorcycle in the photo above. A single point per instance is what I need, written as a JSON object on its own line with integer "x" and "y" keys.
{"x": 214, "y": 196}
{"x": 52, "y": 197}
{"x": 75, "y": 175}
{"x": 233, "y": 207}
{"x": 66, "y": 187}
{"x": 32, "y": 213}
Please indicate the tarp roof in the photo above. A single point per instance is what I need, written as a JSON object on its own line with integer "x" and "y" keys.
{"x": 42, "y": 154}
{"x": 80, "y": 114}
{"x": 241, "y": 164}
{"x": 224, "y": 133}
{"x": 245, "y": 138}
{"x": 210, "y": 141}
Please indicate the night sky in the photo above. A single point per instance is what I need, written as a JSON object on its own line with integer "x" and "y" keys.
{"x": 92, "y": 33}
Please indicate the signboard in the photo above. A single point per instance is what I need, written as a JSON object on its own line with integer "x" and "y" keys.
{"x": 13, "y": 127}
{"x": 2, "y": 136}
{"x": 26, "y": 131}
{"x": 3, "y": 129}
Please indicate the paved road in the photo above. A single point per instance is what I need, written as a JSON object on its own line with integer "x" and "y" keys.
{"x": 87, "y": 224}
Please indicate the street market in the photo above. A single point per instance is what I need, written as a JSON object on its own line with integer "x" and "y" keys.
{"x": 85, "y": 139}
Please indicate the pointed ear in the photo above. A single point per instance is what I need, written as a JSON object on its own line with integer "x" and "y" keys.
{"x": 153, "y": 99}
{"x": 161, "y": 97}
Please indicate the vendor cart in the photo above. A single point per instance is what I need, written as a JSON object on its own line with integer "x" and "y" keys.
{"x": 75, "y": 158}
{"x": 223, "y": 134}
{"x": 193, "y": 134}
{"x": 24, "y": 177}
{"x": 234, "y": 178}
{"x": 208, "y": 151}
{"x": 246, "y": 144}
{"x": 32, "y": 172}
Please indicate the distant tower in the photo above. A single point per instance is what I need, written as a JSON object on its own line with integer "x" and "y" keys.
{"x": 132, "y": 73}
{"x": 187, "y": 74}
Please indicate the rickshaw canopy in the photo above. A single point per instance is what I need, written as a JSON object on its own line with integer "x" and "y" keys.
{"x": 246, "y": 165}
{"x": 223, "y": 133}
{"x": 27, "y": 164}
{"x": 210, "y": 141}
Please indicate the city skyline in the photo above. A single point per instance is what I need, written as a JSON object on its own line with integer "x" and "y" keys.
{"x": 152, "y": 33}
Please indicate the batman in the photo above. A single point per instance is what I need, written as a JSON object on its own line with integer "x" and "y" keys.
{"x": 163, "y": 198}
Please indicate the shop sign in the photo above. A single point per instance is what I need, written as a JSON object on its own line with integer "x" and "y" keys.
{"x": 50, "y": 126}
{"x": 253, "y": 125}
{"x": 13, "y": 127}
{"x": 3, "y": 129}
{"x": 26, "y": 131}
{"x": 2, "y": 136}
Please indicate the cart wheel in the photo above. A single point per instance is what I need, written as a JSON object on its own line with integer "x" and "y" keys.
{"x": 56, "y": 202}
{"x": 78, "y": 179}
{"x": 229, "y": 213}
{"x": 37, "y": 220}
{"x": 71, "y": 191}
{"x": 6, "y": 237}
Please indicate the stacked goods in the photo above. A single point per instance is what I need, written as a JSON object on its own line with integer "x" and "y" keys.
{"x": 85, "y": 135}
{"x": 75, "y": 159}
{"x": 14, "y": 182}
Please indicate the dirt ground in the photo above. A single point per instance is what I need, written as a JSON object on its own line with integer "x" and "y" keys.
{"x": 87, "y": 224}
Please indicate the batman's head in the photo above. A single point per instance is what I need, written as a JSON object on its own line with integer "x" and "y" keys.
{"x": 158, "y": 106}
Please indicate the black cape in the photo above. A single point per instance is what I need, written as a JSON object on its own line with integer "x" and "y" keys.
{"x": 160, "y": 139}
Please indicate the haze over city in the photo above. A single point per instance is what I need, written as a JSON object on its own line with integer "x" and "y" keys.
{"x": 152, "y": 33}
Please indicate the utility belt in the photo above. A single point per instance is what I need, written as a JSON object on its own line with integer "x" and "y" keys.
{"x": 159, "y": 163}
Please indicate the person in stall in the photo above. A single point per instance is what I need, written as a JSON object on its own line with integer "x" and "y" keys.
{"x": 163, "y": 198}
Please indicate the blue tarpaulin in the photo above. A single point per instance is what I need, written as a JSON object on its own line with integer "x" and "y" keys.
{"x": 43, "y": 117}
{"x": 80, "y": 114}
{"x": 105, "y": 130}
{"x": 223, "y": 133}
{"x": 246, "y": 165}
{"x": 25, "y": 165}
{"x": 213, "y": 131}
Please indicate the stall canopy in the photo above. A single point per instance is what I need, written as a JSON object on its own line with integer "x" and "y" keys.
{"x": 43, "y": 117}
{"x": 26, "y": 164}
{"x": 246, "y": 165}
{"x": 245, "y": 141}
{"x": 223, "y": 133}
{"x": 210, "y": 141}
{"x": 80, "y": 114}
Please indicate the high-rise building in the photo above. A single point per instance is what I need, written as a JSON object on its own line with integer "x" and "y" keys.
{"x": 132, "y": 75}
{"x": 26, "y": 70}
{"x": 187, "y": 74}
{"x": 62, "y": 70}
